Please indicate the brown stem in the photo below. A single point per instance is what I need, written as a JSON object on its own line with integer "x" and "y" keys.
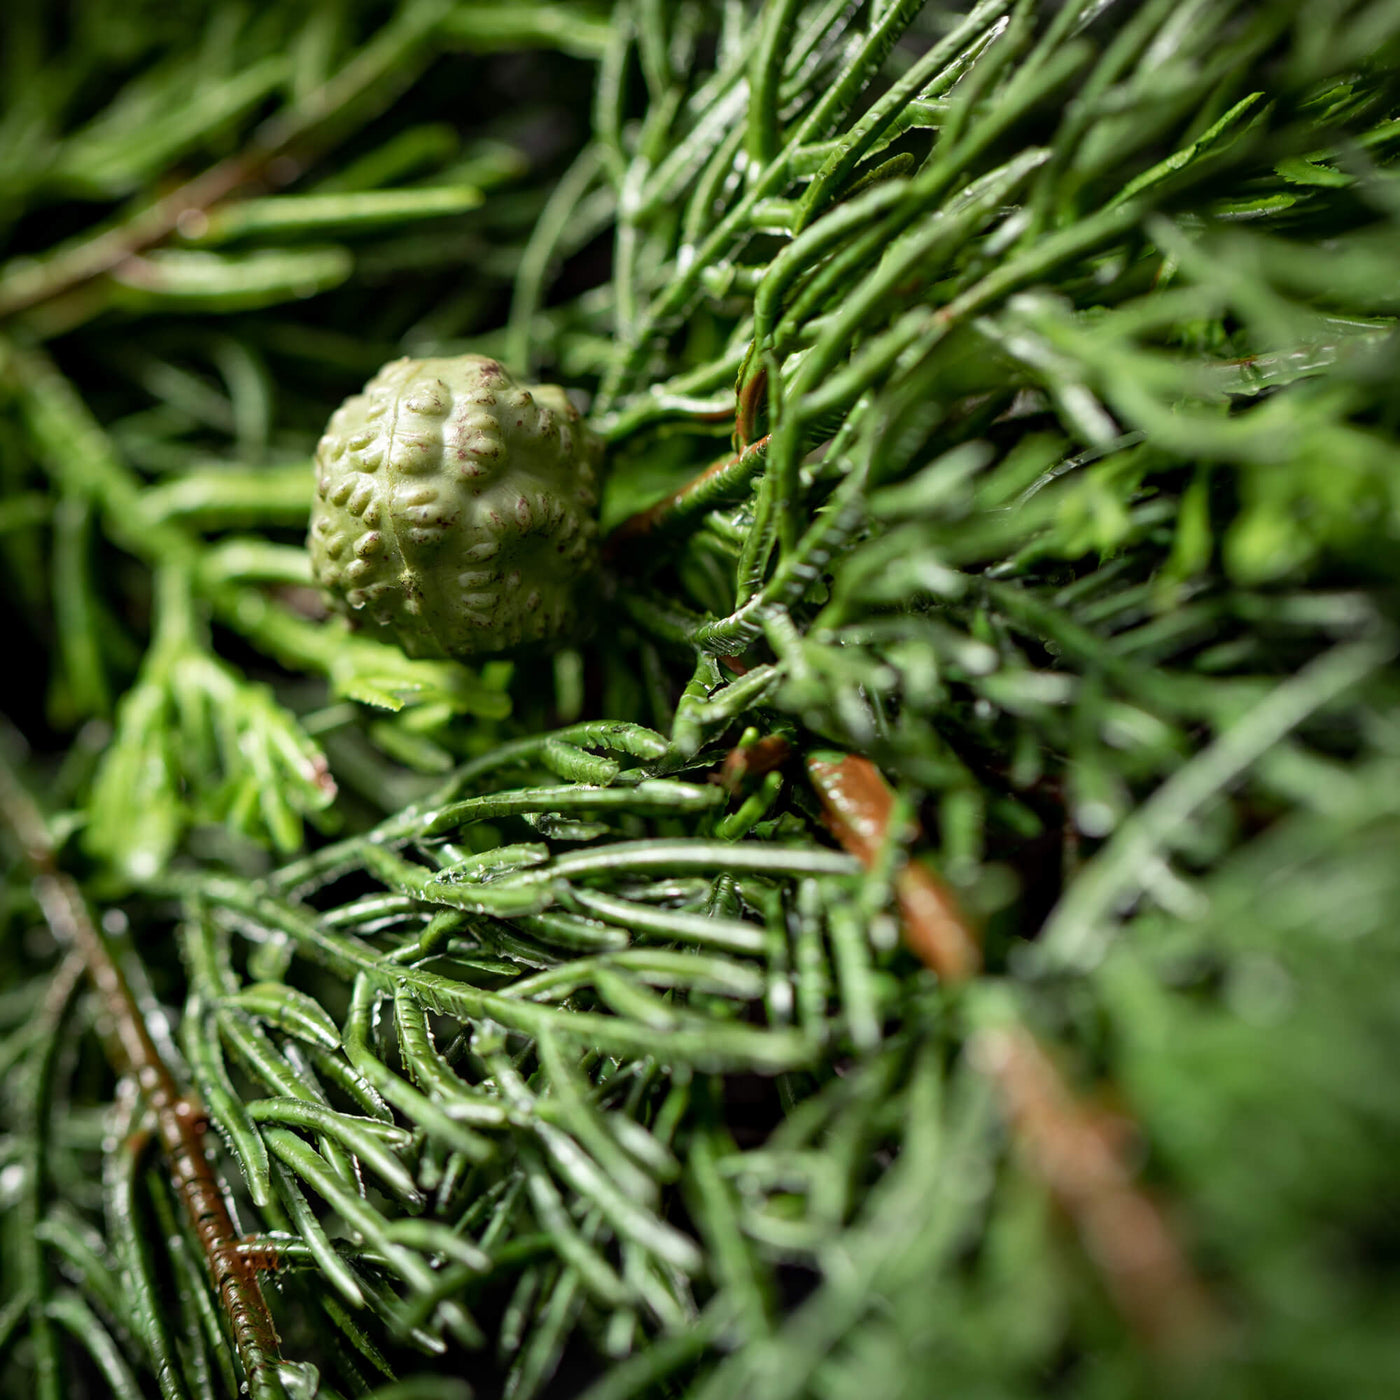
{"x": 102, "y": 252}
{"x": 1077, "y": 1151}
{"x": 275, "y": 155}
{"x": 1073, "y": 1148}
{"x": 745, "y": 763}
{"x": 260, "y": 1254}
{"x": 857, "y": 805}
{"x": 746, "y": 414}
{"x": 180, "y": 1122}
{"x": 645, "y": 522}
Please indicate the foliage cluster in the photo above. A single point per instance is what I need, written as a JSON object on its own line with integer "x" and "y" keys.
{"x": 1047, "y": 354}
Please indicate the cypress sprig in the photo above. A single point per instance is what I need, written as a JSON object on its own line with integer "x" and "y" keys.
{"x": 936, "y": 932}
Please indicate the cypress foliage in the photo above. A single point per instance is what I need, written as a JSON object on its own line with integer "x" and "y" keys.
{"x": 937, "y": 935}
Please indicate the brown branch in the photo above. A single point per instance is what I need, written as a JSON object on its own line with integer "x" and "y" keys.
{"x": 261, "y": 1254}
{"x": 746, "y": 413}
{"x": 92, "y": 256}
{"x": 276, "y": 154}
{"x": 744, "y": 763}
{"x": 655, "y": 517}
{"x": 180, "y": 1121}
{"x": 1076, "y": 1150}
{"x": 747, "y": 453}
{"x": 857, "y": 805}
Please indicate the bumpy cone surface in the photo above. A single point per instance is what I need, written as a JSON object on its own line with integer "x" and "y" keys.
{"x": 455, "y": 508}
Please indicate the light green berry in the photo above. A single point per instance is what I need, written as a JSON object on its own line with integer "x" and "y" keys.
{"x": 456, "y": 509}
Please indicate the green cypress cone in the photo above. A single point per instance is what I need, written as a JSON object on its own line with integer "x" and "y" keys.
{"x": 455, "y": 508}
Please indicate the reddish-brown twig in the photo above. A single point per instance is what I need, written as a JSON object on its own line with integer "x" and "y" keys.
{"x": 746, "y": 413}
{"x": 745, "y": 762}
{"x": 180, "y": 1122}
{"x": 102, "y": 252}
{"x": 275, "y": 155}
{"x": 1076, "y": 1151}
{"x": 857, "y": 805}
{"x": 711, "y": 486}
